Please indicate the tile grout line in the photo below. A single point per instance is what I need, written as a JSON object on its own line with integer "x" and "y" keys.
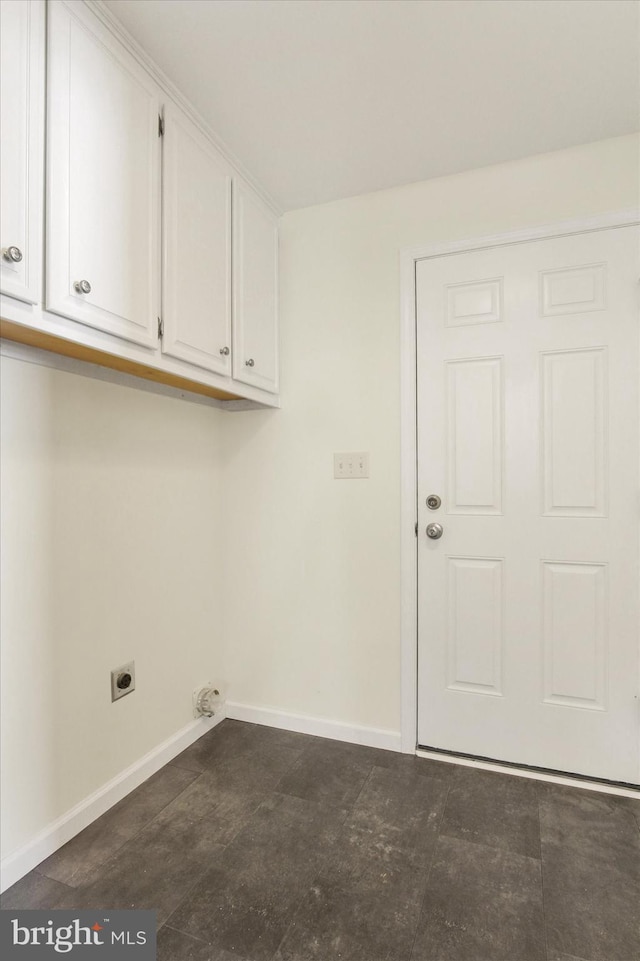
{"x": 362, "y": 787}
{"x": 183, "y": 933}
{"x": 492, "y": 847}
{"x": 179, "y": 904}
{"x": 298, "y": 903}
{"x": 113, "y": 854}
{"x": 302, "y": 753}
{"x": 428, "y": 877}
{"x": 544, "y": 910}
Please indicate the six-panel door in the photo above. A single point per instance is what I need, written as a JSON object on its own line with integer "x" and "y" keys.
{"x": 196, "y": 235}
{"x": 21, "y": 147}
{"x": 528, "y": 430}
{"x": 103, "y": 180}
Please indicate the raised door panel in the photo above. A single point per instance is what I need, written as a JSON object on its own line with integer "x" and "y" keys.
{"x": 574, "y": 432}
{"x": 196, "y": 194}
{"x": 475, "y": 624}
{"x": 575, "y": 634}
{"x": 255, "y": 301}
{"x": 475, "y": 455}
{"x": 21, "y": 147}
{"x": 103, "y": 180}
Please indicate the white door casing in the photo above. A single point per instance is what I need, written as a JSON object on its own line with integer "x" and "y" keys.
{"x": 527, "y": 429}
{"x": 196, "y": 235}
{"x": 103, "y": 179}
{"x": 22, "y": 36}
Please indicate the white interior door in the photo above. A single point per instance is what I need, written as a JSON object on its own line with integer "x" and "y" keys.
{"x": 528, "y": 432}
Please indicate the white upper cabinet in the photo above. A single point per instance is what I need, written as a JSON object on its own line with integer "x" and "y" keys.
{"x": 196, "y": 236}
{"x": 103, "y": 180}
{"x": 255, "y": 298}
{"x": 22, "y": 147}
{"x": 157, "y": 253}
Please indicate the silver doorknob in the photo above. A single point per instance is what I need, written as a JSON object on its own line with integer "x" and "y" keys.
{"x": 250, "y": 363}
{"x": 224, "y": 351}
{"x": 82, "y": 286}
{"x": 434, "y": 531}
{"x": 433, "y": 502}
{"x": 12, "y": 254}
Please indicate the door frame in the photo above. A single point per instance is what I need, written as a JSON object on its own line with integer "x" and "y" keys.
{"x": 408, "y": 432}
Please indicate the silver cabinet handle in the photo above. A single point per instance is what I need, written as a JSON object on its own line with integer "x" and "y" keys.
{"x": 434, "y": 531}
{"x": 82, "y": 286}
{"x": 224, "y": 351}
{"x": 250, "y": 363}
{"x": 12, "y": 254}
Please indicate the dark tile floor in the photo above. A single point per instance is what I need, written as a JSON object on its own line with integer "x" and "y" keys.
{"x": 262, "y": 845}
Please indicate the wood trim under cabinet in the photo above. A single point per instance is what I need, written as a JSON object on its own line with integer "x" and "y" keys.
{"x": 57, "y": 345}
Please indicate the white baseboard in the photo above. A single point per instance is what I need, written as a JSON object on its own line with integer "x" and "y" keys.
{"x": 318, "y": 726}
{"x": 20, "y": 862}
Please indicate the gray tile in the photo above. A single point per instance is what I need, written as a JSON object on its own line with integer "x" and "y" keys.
{"x": 379, "y": 757}
{"x": 232, "y": 811}
{"x": 233, "y": 788}
{"x": 549, "y": 791}
{"x": 330, "y": 772}
{"x": 266, "y": 844}
{"x": 158, "y": 868}
{"x": 428, "y": 767}
{"x": 226, "y": 810}
{"x": 253, "y": 772}
{"x": 481, "y": 904}
{"x": 412, "y": 764}
{"x": 591, "y": 872}
{"x": 370, "y": 916}
{"x": 76, "y": 861}
{"x": 629, "y": 804}
{"x": 175, "y": 946}
{"x": 396, "y": 811}
{"x": 34, "y": 892}
{"x": 244, "y": 903}
{"x": 499, "y": 810}
{"x": 233, "y": 739}
{"x": 359, "y": 753}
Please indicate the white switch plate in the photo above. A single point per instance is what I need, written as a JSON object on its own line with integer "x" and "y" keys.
{"x": 351, "y": 464}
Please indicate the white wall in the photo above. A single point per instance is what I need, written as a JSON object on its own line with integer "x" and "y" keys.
{"x": 111, "y": 551}
{"x": 312, "y": 616}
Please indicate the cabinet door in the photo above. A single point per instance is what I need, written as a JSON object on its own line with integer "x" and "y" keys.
{"x": 255, "y": 291}
{"x": 196, "y": 193}
{"x": 21, "y": 147}
{"x": 103, "y": 183}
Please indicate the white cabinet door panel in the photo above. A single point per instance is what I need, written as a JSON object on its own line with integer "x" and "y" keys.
{"x": 103, "y": 181}
{"x": 196, "y": 193}
{"x": 22, "y": 147}
{"x": 255, "y": 302}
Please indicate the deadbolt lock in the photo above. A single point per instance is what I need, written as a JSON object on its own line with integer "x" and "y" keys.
{"x": 433, "y": 502}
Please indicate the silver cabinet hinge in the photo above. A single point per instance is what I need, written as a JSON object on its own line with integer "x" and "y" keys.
{"x": 160, "y": 125}
{"x": 160, "y": 328}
